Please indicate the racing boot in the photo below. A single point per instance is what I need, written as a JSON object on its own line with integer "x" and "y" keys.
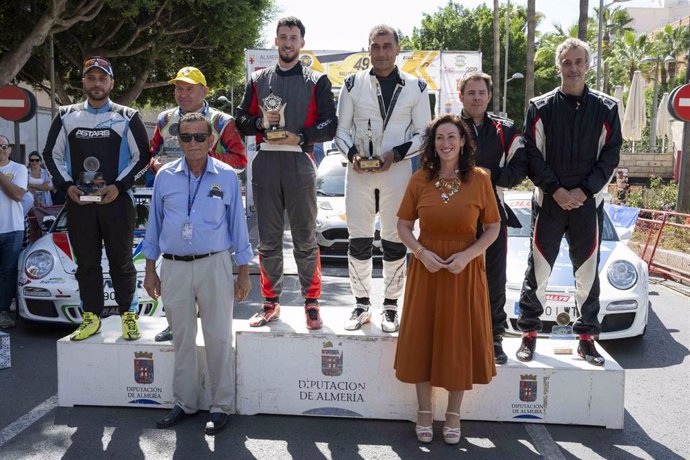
{"x": 165, "y": 335}
{"x": 270, "y": 311}
{"x": 500, "y": 356}
{"x": 588, "y": 351}
{"x": 529, "y": 343}
{"x": 311, "y": 310}
{"x": 89, "y": 326}
{"x": 130, "y": 328}
{"x": 360, "y": 315}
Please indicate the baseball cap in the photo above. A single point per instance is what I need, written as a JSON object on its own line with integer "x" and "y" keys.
{"x": 99, "y": 62}
{"x": 190, "y": 75}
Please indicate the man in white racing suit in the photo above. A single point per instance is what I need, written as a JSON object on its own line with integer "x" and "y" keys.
{"x": 382, "y": 114}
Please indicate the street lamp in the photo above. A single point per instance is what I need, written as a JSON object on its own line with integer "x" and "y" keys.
{"x": 602, "y": 7}
{"x": 652, "y": 129}
{"x": 516, "y": 76}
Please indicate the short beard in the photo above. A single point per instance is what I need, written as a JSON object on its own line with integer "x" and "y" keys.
{"x": 288, "y": 59}
{"x": 105, "y": 96}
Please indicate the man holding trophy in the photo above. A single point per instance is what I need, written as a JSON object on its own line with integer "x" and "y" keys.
{"x": 288, "y": 107}
{"x": 95, "y": 151}
{"x": 382, "y": 115}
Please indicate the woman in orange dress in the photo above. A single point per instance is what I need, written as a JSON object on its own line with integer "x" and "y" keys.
{"x": 445, "y": 335}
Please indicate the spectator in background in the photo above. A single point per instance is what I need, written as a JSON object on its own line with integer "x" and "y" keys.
{"x": 13, "y": 185}
{"x": 40, "y": 183}
{"x": 622, "y": 186}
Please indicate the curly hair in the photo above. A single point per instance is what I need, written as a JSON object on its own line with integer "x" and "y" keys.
{"x": 431, "y": 163}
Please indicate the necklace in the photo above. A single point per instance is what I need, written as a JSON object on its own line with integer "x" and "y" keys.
{"x": 448, "y": 187}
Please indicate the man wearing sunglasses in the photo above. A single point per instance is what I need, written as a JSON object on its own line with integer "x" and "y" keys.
{"x": 108, "y": 140}
{"x": 196, "y": 215}
{"x": 227, "y": 146}
{"x": 298, "y": 101}
{"x": 14, "y": 179}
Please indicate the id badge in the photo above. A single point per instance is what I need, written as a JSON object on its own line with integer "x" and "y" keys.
{"x": 187, "y": 231}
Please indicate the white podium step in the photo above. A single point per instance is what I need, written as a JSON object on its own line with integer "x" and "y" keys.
{"x": 106, "y": 370}
{"x": 283, "y": 368}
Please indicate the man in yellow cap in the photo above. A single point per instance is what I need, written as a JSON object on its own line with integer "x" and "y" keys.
{"x": 226, "y": 142}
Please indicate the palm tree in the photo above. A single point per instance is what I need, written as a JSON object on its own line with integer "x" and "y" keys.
{"x": 529, "y": 65}
{"x": 671, "y": 42}
{"x": 615, "y": 23}
{"x": 628, "y": 54}
{"x": 583, "y": 20}
{"x": 497, "y": 59}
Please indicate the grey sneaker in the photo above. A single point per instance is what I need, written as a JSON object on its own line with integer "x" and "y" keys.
{"x": 6, "y": 320}
{"x": 389, "y": 319}
{"x": 360, "y": 315}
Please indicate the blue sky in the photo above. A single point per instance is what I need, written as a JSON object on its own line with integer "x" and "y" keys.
{"x": 344, "y": 25}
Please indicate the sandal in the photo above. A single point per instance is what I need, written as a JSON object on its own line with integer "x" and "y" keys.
{"x": 451, "y": 436}
{"x": 425, "y": 434}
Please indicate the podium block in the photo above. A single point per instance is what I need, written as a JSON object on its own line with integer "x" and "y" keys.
{"x": 106, "y": 370}
{"x": 283, "y": 368}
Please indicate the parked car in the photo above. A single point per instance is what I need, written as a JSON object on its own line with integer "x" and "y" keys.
{"x": 331, "y": 221}
{"x": 47, "y": 290}
{"x": 623, "y": 277}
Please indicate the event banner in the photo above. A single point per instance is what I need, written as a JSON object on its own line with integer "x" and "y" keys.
{"x": 441, "y": 70}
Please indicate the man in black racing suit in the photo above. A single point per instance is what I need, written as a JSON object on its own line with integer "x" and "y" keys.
{"x": 500, "y": 150}
{"x": 572, "y": 139}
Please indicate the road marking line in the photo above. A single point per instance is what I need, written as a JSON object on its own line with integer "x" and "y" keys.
{"x": 543, "y": 441}
{"x": 25, "y": 421}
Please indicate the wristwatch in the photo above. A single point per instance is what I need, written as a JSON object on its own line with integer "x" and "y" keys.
{"x": 301, "y": 139}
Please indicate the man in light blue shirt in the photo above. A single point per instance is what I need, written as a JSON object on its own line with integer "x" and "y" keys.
{"x": 196, "y": 217}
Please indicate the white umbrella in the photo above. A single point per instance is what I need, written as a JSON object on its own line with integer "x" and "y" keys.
{"x": 663, "y": 121}
{"x": 618, "y": 94}
{"x": 635, "y": 117}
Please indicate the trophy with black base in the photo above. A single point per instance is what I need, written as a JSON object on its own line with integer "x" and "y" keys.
{"x": 91, "y": 181}
{"x": 562, "y": 338}
{"x": 273, "y": 103}
{"x": 368, "y": 144}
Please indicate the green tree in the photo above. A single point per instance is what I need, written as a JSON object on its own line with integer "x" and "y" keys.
{"x": 455, "y": 27}
{"x": 148, "y": 41}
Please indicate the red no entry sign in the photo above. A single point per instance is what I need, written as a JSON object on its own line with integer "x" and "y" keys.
{"x": 679, "y": 103}
{"x": 16, "y": 104}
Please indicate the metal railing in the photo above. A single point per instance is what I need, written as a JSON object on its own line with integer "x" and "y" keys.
{"x": 653, "y": 222}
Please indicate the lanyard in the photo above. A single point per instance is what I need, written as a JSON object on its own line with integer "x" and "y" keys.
{"x": 190, "y": 197}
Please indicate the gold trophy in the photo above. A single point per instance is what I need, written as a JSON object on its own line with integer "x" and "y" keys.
{"x": 562, "y": 337}
{"x": 273, "y": 103}
{"x": 371, "y": 162}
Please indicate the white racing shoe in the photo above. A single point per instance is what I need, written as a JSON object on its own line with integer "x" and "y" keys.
{"x": 360, "y": 315}
{"x": 389, "y": 319}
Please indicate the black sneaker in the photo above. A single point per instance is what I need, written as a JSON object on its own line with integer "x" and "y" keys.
{"x": 499, "y": 355}
{"x": 526, "y": 350}
{"x": 589, "y": 353}
{"x": 164, "y": 336}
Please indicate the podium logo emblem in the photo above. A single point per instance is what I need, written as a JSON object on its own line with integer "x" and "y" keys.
{"x": 331, "y": 360}
{"x": 528, "y": 388}
{"x": 143, "y": 367}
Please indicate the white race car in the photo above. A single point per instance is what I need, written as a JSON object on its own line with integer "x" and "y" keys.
{"x": 331, "y": 221}
{"x": 623, "y": 277}
{"x": 47, "y": 290}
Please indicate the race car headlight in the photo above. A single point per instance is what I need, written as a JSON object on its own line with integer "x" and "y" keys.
{"x": 622, "y": 275}
{"x": 325, "y": 205}
{"x": 39, "y": 264}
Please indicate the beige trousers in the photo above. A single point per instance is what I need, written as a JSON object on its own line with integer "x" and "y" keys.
{"x": 206, "y": 283}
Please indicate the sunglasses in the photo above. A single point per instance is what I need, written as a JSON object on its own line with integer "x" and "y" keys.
{"x": 4, "y": 146}
{"x": 187, "y": 137}
{"x": 34, "y": 160}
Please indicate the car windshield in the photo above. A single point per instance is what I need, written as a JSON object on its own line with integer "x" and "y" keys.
{"x": 524, "y": 214}
{"x": 331, "y": 182}
{"x": 141, "y": 208}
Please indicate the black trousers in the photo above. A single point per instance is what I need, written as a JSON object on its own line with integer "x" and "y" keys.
{"x": 582, "y": 229}
{"x": 92, "y": 227}
{"x": 496, "y": 255}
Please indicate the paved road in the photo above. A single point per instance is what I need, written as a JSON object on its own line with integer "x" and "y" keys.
{"x": 656, "y": 402}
